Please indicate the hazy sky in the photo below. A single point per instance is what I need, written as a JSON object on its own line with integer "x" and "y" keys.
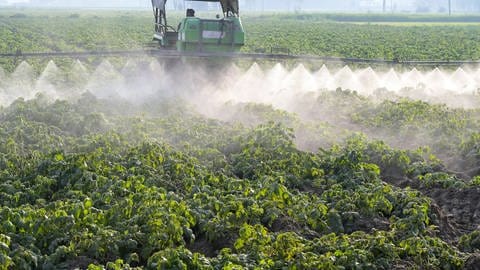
{"x": 292, "y": 5}
{"x": 17, "y": 1}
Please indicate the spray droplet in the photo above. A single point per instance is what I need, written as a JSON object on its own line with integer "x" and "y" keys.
{"x": 391, "y": 80}
{"x": 435, "y": 74}
{"x": 274, "y": 78}
{"x": 106, "y": 67}
{"x": 48, "y": 81}
{"x": 130, "y": 68}
{"x": 105, "y": 81}
{"x": 436, "y": 82}
{"x": 78, "y": 66}
{"x": 323, "y": 72}
{"x": 232, "y": 70}
{"x": 77, "y": 75}
{"x": 412, "y": 78}
{"x": 476, "y": 76}
{"x": 251, "y": 86}
{"x": 20, "y": 83}
{"x": 369, "y": 80}
{"x": 324, "y": 78}
{"x": 156, "y": 67}
{"x": 4, "y": 101}
{"x": 462, "y": 81}
{"x": 300, "y": 80}
{"x": 346, "y": 79}
{"x": 51, "y": 72}
{"x": 277, "y": 71}
{"x": 23, "y": 72}
{"x": 255, "y": 69}
{"x": 3, "y": 75}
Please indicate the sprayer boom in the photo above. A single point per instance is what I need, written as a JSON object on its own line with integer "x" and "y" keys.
{"x": 173, "y": 54}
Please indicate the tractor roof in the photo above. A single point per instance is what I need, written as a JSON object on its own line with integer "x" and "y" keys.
{"x": 228, "y": 6}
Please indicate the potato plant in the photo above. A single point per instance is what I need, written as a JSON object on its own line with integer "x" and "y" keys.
{"x": 109, "y": 194}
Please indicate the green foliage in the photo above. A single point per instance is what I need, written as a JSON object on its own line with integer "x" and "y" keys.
{"x": 470, "y": 242}
{"x": 5, "y": 260}
{"x": 417, "y": 18}
{"x": 413, "y": 117}
{"x": 470, "y": 149}
{"x": 180, "y": 191}
{"x": 442, "y": 179}
{"x": 418, "y": 248}
{"x": 317, "y": 34}
{"x": 178, "y": 259}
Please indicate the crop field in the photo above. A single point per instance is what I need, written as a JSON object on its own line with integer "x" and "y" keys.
{"x": 308, "y": 34}
{"x": 144, "y": 163}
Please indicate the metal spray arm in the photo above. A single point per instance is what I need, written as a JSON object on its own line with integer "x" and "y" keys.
{"x": 160, "y": 15}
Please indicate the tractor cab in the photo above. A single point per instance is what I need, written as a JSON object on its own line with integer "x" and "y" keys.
{"x": 221, "y": 34}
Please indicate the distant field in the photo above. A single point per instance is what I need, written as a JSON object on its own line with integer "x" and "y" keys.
{"x": 401, "y": 42}
{"x": 416, "y": 18}
{"x": 343, "y": 35}
{"x": 419, "y": 23}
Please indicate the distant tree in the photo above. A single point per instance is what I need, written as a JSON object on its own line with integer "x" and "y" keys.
{"x": 250, "y": 4}
{"x": 423, "y": 6}
{"x": 468, "y": 5}
{"x": 298, "y": 5}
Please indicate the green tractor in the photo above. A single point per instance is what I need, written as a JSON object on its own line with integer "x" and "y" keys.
{"x": 221, "y": 34}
